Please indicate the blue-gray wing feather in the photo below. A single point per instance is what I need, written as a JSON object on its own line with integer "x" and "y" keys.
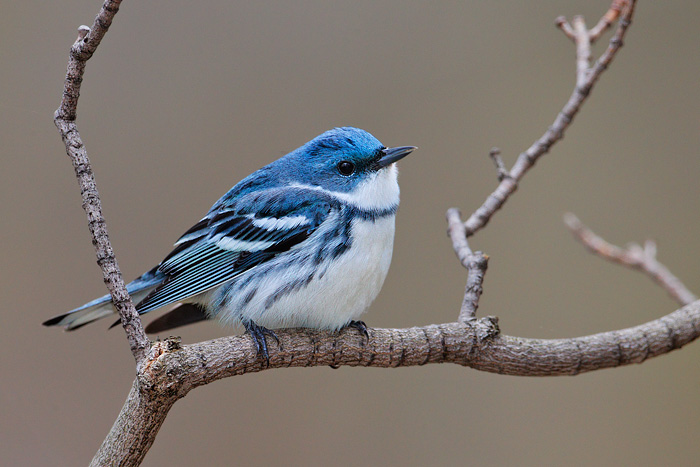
{"x": 235, "y": 237}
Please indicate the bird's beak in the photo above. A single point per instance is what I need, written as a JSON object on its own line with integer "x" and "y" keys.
{"x": 391, "y": 155}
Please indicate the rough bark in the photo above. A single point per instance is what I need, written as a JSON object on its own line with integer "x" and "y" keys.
{"x": 174, "y": 370}
{"x": 64, "y": 118}
{"x": 136, "y": 427}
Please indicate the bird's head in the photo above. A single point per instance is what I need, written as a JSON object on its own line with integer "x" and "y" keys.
{"x": 345, "y": 160}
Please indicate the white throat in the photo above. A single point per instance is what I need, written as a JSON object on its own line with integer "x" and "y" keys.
{"x": 379, "y": 191}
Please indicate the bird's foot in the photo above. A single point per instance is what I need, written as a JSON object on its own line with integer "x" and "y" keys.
{"x": 360, "y": 326}
{"x": 258, "y": 333}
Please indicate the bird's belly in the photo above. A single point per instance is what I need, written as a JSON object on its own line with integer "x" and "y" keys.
{"x": 301, "y": 291}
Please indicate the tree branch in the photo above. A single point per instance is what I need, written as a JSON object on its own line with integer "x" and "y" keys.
{"x": 586, "y": 79}
{"x": 174, "y": 370}
{"x": 64, "y": 118}
{"x": 477, "y": 344}
{"x": 135, "y": 428}
{"x": 607, "y": 20}
{"x": 475, "y": 263}
{"x": 634, "y": 256}
{"x": 586, "y": 76}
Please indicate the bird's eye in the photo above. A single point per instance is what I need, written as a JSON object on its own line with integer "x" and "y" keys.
{"x": 346, "y": 168}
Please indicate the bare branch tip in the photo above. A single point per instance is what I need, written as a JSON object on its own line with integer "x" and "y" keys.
{"x": 608, "y": 19}
{"x": 615, "y": 9}
{"x": 650, "y": 249}
{"x": 495, "y": 155}
{"x": 565, "y": 27}
{"x": 83, "y": 31}
{"x": 453, "y": 215}
{"x": 572, "y": 222}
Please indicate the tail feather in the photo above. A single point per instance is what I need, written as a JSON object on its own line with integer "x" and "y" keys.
{"x": 186, "y": 313}
{"x": 79, "y": 317}
{"x": 102, "y": 307}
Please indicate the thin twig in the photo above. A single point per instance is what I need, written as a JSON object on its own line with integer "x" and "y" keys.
{"x": 64, "y": 118}
{"x": 583, "y": 49}
{"x": 565, "y": 27}
{"x": 585, "y": 78}
{"x": 634, "y": 256}
{"x": 607, "y": 20}
{"x": 495, "y": 155}
{"x": 475, "y": 263}
{"x": 555, "y": 132}
{"x": 456, "y": 232}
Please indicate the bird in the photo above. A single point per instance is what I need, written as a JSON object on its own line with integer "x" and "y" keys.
{"x": 305, "y": 241}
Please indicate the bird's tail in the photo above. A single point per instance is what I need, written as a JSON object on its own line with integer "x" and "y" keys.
{"x": 101, "y": 307}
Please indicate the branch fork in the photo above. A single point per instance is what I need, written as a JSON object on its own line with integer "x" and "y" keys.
{"x": 586, "y": 77}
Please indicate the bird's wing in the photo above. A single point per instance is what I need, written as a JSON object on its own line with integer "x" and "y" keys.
{"x": 234, "y": 238}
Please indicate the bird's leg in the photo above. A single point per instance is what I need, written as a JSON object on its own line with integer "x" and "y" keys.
{"x": 360, "y": 326}
{"x": 258, "y": 333}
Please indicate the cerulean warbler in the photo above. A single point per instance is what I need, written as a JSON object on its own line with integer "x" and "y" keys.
{"x": 306, "y": 241}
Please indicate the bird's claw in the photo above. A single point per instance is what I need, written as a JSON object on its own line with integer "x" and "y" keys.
{"x": 258, "y": 333}
{"x": 360, "y": 326}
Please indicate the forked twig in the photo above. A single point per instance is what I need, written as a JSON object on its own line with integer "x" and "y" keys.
{"x": 641, "y": 258}
{"x": 475, "y": 263}
{"x": 586, "y": 77}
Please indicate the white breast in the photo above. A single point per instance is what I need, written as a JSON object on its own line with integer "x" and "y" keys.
{"x": 295, "y": 290}
{"x": 353, "y": 282}
{"x": 330, "y": 300}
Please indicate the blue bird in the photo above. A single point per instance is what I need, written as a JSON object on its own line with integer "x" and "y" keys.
{"x": 305, "y": 241}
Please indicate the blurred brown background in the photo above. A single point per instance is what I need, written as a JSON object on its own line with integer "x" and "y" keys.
{"x": 183, "y": 99}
